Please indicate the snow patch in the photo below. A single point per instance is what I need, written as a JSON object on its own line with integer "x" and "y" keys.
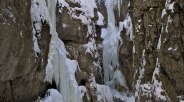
{"x": 100, "y": 20}
{"x": 127, "y": 24}
{"x": 170, "y": 48}
{"x": 163, "y": 13}
{"x": 141, "y": 75}
{"x": 90, "y": 46}
{"x": 52, "y": 95}
{"x": 39, "y": 14}
{"x": 159, "y": 42}
{"x": 82, "y": 90}
{"x": 104, "y": 93}
{"x": 168, "y": 22}
{"x": 151, "y": 88}
{"x": 63, "y": 3}
{"x": 65, "y": 25}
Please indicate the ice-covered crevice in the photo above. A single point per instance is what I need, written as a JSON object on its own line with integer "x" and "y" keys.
{"x": 158, "y": 90}
{"x": 140, "y": 77}
{"x": 142, "y": 89}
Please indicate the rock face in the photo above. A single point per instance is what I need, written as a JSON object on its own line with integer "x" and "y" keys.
{"x": 152, "y": 61}
{"x": 21, "y": 73}
{"x": 158, "y": 29}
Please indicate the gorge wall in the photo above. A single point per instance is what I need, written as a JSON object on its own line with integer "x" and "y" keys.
{"x": 149, "y": 48}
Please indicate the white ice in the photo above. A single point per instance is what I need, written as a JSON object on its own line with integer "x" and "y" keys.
{"x": 52, "y": 95}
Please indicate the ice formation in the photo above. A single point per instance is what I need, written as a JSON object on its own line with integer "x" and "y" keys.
{"x": 59, "y": 68}
{"x": 62, "y": 69}
{"x": 104, "y": 93}
{"x": 111, "y": 36}
{"x": 111, "y": 43}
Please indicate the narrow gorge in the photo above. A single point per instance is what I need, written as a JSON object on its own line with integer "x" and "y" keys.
{"x": 92, "y": 51}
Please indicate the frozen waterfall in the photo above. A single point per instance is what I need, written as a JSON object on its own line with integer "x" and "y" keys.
{"x": 59, "y": 68}
{"x": 111, "y": 42}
